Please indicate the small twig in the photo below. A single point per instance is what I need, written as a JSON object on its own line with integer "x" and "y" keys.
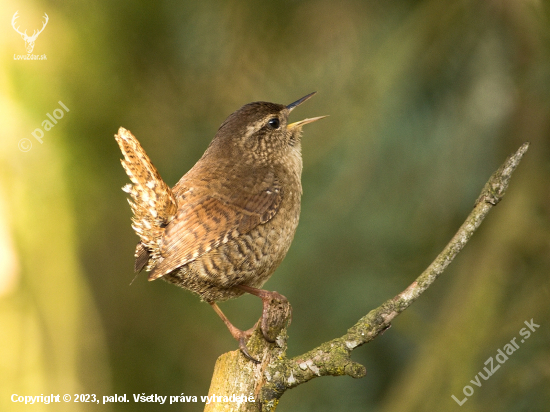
{"x": 333, "y": 357}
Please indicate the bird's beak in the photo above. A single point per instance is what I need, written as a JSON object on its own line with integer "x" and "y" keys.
{"x": 298, "y": 102}
{"x": 305, "y": 121}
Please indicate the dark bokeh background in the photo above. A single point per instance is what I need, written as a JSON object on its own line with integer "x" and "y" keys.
{"x": 426, "y": 99}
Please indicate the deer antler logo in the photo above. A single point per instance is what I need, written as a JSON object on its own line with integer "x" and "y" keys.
{"x": 29, "y": 40}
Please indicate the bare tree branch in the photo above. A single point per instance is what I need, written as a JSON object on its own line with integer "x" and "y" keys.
{"x": 267, "y": 381}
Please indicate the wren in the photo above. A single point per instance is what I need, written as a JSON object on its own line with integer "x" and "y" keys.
{"x": 225, "y": 227}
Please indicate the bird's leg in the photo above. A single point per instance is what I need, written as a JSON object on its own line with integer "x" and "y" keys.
{"x": 272, "y": 321}
{"x": 241, "y": 336}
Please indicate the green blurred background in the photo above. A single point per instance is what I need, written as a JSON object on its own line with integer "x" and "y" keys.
{"x": 426, "y": 99}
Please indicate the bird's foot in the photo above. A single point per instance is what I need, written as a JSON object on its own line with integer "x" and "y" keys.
{"x": 242, "y": 339}
{"x": 242, "y": 336}
{"x": 276, "y": 311}
{"x": 275, "y": 315}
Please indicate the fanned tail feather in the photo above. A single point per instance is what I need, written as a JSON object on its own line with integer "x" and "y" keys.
{"x": 153, "y": 203}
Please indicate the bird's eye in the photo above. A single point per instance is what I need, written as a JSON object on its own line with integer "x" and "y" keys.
{"x": 274, "y": 123}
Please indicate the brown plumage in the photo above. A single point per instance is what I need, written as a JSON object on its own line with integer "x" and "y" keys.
{"x": 223, "y": 229}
